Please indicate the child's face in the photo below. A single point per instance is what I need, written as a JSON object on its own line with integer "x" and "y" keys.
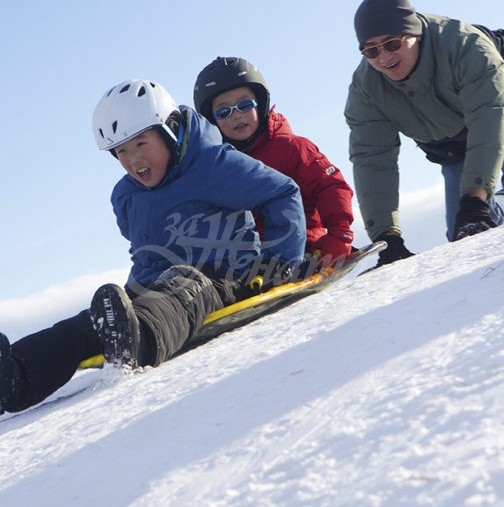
{"x": 239, "y": 126}
{"x": 145, "y": 157}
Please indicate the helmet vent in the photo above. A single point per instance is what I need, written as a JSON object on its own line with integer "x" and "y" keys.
{"x": 131, "y": 107}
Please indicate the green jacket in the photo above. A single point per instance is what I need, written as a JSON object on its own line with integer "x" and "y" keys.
{"x": 457, "y": 83}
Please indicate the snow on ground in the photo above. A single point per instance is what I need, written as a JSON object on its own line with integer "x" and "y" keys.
{"x": 384, "y": 390}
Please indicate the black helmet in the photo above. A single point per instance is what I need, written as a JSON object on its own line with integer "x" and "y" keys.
{"x": 224, "y": 74}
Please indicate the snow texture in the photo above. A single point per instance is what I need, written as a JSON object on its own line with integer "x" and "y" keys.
{"x": 383, "y": 390}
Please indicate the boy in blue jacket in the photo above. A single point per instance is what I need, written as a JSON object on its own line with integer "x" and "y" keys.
{"x": 183, "y": 207}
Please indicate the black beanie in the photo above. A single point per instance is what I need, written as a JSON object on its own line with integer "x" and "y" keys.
{"x": 385, "y": 17}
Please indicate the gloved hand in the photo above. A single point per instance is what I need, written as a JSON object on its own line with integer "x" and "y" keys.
{"x": 473, "y": 217}
{"x": 310, "y": 265}
{"x": 267, "y": 275}
{"x": 395, "y": 249}
{"x": 331, "y": 248}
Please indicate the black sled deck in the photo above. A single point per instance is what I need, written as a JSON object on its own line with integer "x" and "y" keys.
{"x": 253, "y": 308}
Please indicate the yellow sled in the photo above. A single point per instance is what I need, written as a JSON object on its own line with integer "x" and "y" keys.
{"x": 255, "y": 307}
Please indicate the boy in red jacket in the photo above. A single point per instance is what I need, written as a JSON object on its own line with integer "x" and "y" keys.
{"x": 232, "y": 94}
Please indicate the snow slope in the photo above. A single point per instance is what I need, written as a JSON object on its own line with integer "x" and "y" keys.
{"x": 384, "y": 390}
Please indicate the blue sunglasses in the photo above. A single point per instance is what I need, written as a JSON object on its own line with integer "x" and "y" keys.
{"x": 244, "y": 106}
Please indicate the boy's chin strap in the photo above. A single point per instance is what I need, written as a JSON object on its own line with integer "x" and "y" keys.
{"x": 169, "y": 130}
{"x": 175, "y": 143}
{"x": 180, "y": 138}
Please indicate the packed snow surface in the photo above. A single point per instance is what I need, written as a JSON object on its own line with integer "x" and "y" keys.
{"x": 383, "y": 390}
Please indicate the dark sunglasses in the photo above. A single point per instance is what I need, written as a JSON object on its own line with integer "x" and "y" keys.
{"x": 244, "y": 106}
{"x": 390, "y": 45}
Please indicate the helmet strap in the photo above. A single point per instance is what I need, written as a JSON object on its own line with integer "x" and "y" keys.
{"x": 169, "y": 131}
{"x": 173, "y": 132}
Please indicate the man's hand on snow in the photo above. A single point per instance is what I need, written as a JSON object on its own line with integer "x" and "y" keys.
{"x": 395, "y": 249}
{"x": 473, "y": 217}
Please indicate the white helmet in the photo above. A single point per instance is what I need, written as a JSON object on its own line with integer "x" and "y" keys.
{"x": 130, "y": 108}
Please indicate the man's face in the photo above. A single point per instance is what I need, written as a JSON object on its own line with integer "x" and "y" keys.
{"x": 396, "y": 64}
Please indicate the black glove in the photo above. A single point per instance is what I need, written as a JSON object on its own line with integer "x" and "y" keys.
{"x": 473, "y": 217}
{"x": 395, "y": 249}
{"x": 264, "y": 277}
{"x": 310, "y": 265}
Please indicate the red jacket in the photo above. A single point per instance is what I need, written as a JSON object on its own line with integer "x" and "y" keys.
{"x": 327, "y": 197}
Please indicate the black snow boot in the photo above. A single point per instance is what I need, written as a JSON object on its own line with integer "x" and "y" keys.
{"x": 116, "y": 324}
{"x": 10, "y": 378}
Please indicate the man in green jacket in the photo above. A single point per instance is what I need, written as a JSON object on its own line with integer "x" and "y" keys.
{"x": 436, "y": 80}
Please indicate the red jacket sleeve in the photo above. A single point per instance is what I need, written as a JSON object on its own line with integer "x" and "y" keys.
{"x": 327, "y": 197}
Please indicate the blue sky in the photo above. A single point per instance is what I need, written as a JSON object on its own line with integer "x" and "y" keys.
{"x": 59, "y": 58}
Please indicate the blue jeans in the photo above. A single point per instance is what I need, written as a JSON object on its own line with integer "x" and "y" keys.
{"x": 452, "y": 174}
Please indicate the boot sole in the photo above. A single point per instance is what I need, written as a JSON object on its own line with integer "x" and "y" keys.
{"x": 116, "y": 324}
